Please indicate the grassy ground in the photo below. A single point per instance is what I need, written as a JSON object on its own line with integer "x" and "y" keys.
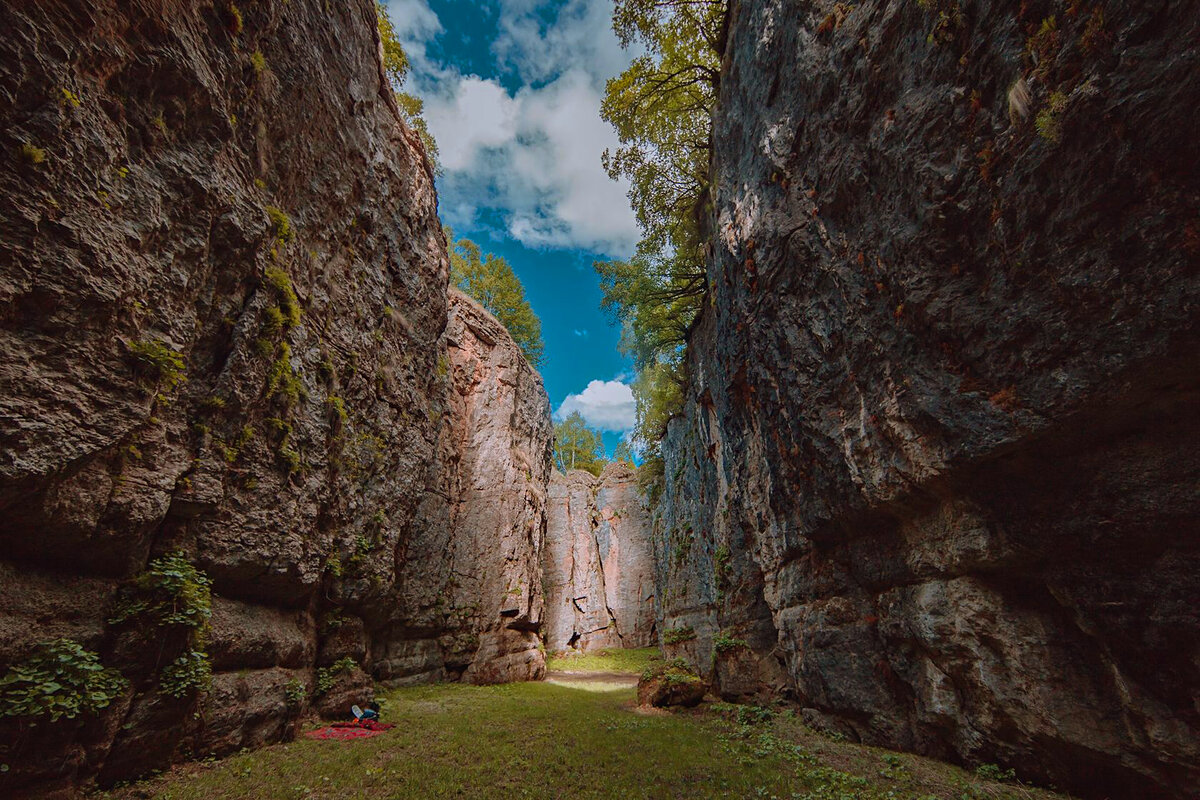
{"x": 630, "y": 661}
{"x": 540, "y": 740}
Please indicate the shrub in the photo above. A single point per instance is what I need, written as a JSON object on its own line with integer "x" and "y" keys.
{"x": 32, "y": 155}
{"x": 170, "y": 592}
{"x": 288, "y": 313}
{"x": 325, "y": 675}
{"x": 191, "y": 672}
{"x": 678, "y": 635}
{"x": 282, "y": 379}
{"x": 281, "y": 223}
{"x": 163, "y": 364}
{"x": 295, "y": 691}
{"x": 59, "y": 679}
{"x": 992, "y": 772}
{"x": 1049, "y": 119}
{"x": 723, "y": 643}
{"x": 258, "y": 61}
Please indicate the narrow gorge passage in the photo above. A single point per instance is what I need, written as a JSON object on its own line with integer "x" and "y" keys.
{"x": 618, "y": 398}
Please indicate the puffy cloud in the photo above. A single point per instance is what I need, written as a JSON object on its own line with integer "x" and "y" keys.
{"x": 531, "y": 155}
{"x": 607, "y": 405}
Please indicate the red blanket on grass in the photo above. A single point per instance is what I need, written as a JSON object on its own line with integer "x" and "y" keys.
{"x": 350, "y": 730}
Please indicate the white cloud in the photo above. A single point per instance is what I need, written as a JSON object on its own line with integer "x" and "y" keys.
{"x": 607, "y": 405}
{"x": 532, "y": 155}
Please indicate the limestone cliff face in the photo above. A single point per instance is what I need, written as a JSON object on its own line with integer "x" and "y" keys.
{"x": 597, "y": 567}
{"x": 938, "y": 460}
{"x": 223, "y": 333}
{"x": 469, "y": 600}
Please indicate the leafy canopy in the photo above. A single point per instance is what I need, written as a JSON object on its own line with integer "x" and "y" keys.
{"x": 396, "y": 66}
{"x": 576, "y": 446}
{"x": 661, "y": 108}
{"x": 491, "y": 282}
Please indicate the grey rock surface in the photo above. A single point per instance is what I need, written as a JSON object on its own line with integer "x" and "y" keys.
{"x": 597, "y": 567}
{"x": 225, "y": 331}
{"x": 938, "y": 460}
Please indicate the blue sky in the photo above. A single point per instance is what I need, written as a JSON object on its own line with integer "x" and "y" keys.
{"x": 512, "y": 92}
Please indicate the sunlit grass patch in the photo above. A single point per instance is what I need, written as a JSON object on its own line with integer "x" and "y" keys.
{"x": 632, "y": 661}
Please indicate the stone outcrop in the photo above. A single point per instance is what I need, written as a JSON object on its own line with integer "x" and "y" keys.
{"x": 225, "y": 332}
{"x": 597, "y": 566}
{"x": 937, "y": 464}
{"x": 470, "y": 603}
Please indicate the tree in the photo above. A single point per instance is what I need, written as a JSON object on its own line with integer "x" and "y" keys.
{"x": 623, "y": 452}
{"x": 491, "y": 282}
{"x": 661, "y": 108}
{"x": 576, "y": 446}
{"x": 396, "y": 67}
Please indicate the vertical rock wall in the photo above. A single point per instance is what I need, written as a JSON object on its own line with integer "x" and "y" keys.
{"x": 938, "y": 459}
{"x": 469, "y": 600}
{"x": 597, "y": 567}
{"x": 223, "y": 333}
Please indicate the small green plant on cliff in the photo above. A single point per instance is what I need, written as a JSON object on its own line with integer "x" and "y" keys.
{"x": 1049, "y": 119}
{"x": 191, "y": 672}
{"x": 723, "y": 643}
{"x": 326, "y": 675}
{"x": 173, "y": 593}
{"x": 295, "y": 692}
{"x": 170, "y": 592}
{"x": 233, "y": 19}
{"x": 258, "y": 61}
{"x": 281, "y": 223}
{"x": 159, "y": 362}
{"x": 60, "y": 679}
{"x": 721, "y": 558}
{"x": 289, "y": 305}
{"x": 32, "y": 155}
{"x": 282, "y": 380}
{"x": 678, "y": 635}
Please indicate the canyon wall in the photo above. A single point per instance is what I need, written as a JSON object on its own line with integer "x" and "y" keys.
{"x": 229, "y": 368}
{"x": 597, "y": 565}
{"x": 935, "y": 478}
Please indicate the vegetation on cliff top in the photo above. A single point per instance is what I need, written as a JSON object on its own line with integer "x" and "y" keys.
{"x": 491, "y": 282}
{"x": 396, "y": 66}
{"x": 661, "y": 108}
{"x": 576, "y": 446}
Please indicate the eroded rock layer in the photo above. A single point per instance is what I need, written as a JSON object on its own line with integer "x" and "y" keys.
{"x": 936, "y": 474}
{"x": 597, "y": 565}
{"x": 223, "y": 333}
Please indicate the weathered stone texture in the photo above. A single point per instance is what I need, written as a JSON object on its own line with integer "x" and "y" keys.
{"x": 939, "y": 453}
{"x": 597, "y": 567}
{"x": 239, "y": 188}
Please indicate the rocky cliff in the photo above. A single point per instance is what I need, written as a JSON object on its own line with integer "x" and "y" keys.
{"x": 469, "y": 600}
{"x": 597, "y": 565}
{"x": 245, "y": 463}
{"x": 936, "y": 475}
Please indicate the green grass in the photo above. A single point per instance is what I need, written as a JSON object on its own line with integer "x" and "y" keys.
{"x": 631, "y": 661}
{"x": 539, "y": 740}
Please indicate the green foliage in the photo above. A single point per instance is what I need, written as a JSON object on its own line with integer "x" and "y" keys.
{"x": 396, "y": 67}
{"x": 629, "y": 661}
{"x": 623, "y": 452}
{"x": 59, "y": 679}
{"x": 295, "y": 692}
{"x": 678, "y": 635}
{"x": 576, "y": 446}
{"x": 233, "y": 19}
{"x": 258, "y": 61}
{"x": 161, "y": 363}
{"x": 723, "y": 643}
{"x": 288, "y": 313}
{"x": 32, "y": 155}
{"x": 491, "y": 282}
{"x": 338, "y": 406}
{"x": 281, "y": 223}
{"x": 190, "y": 673}
{"x": 170, "y": 592}
{"x": 992, "y": 772}
{"x": 282, "y": 380}
{"x": 1049, "y": 119}
{"x": 326, "y": 675}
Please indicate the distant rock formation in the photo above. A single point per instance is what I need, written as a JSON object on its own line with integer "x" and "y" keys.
{"x": 936, "y": 477}
{"x": 225, "y": 333}
{"x": 597, "y": 565}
